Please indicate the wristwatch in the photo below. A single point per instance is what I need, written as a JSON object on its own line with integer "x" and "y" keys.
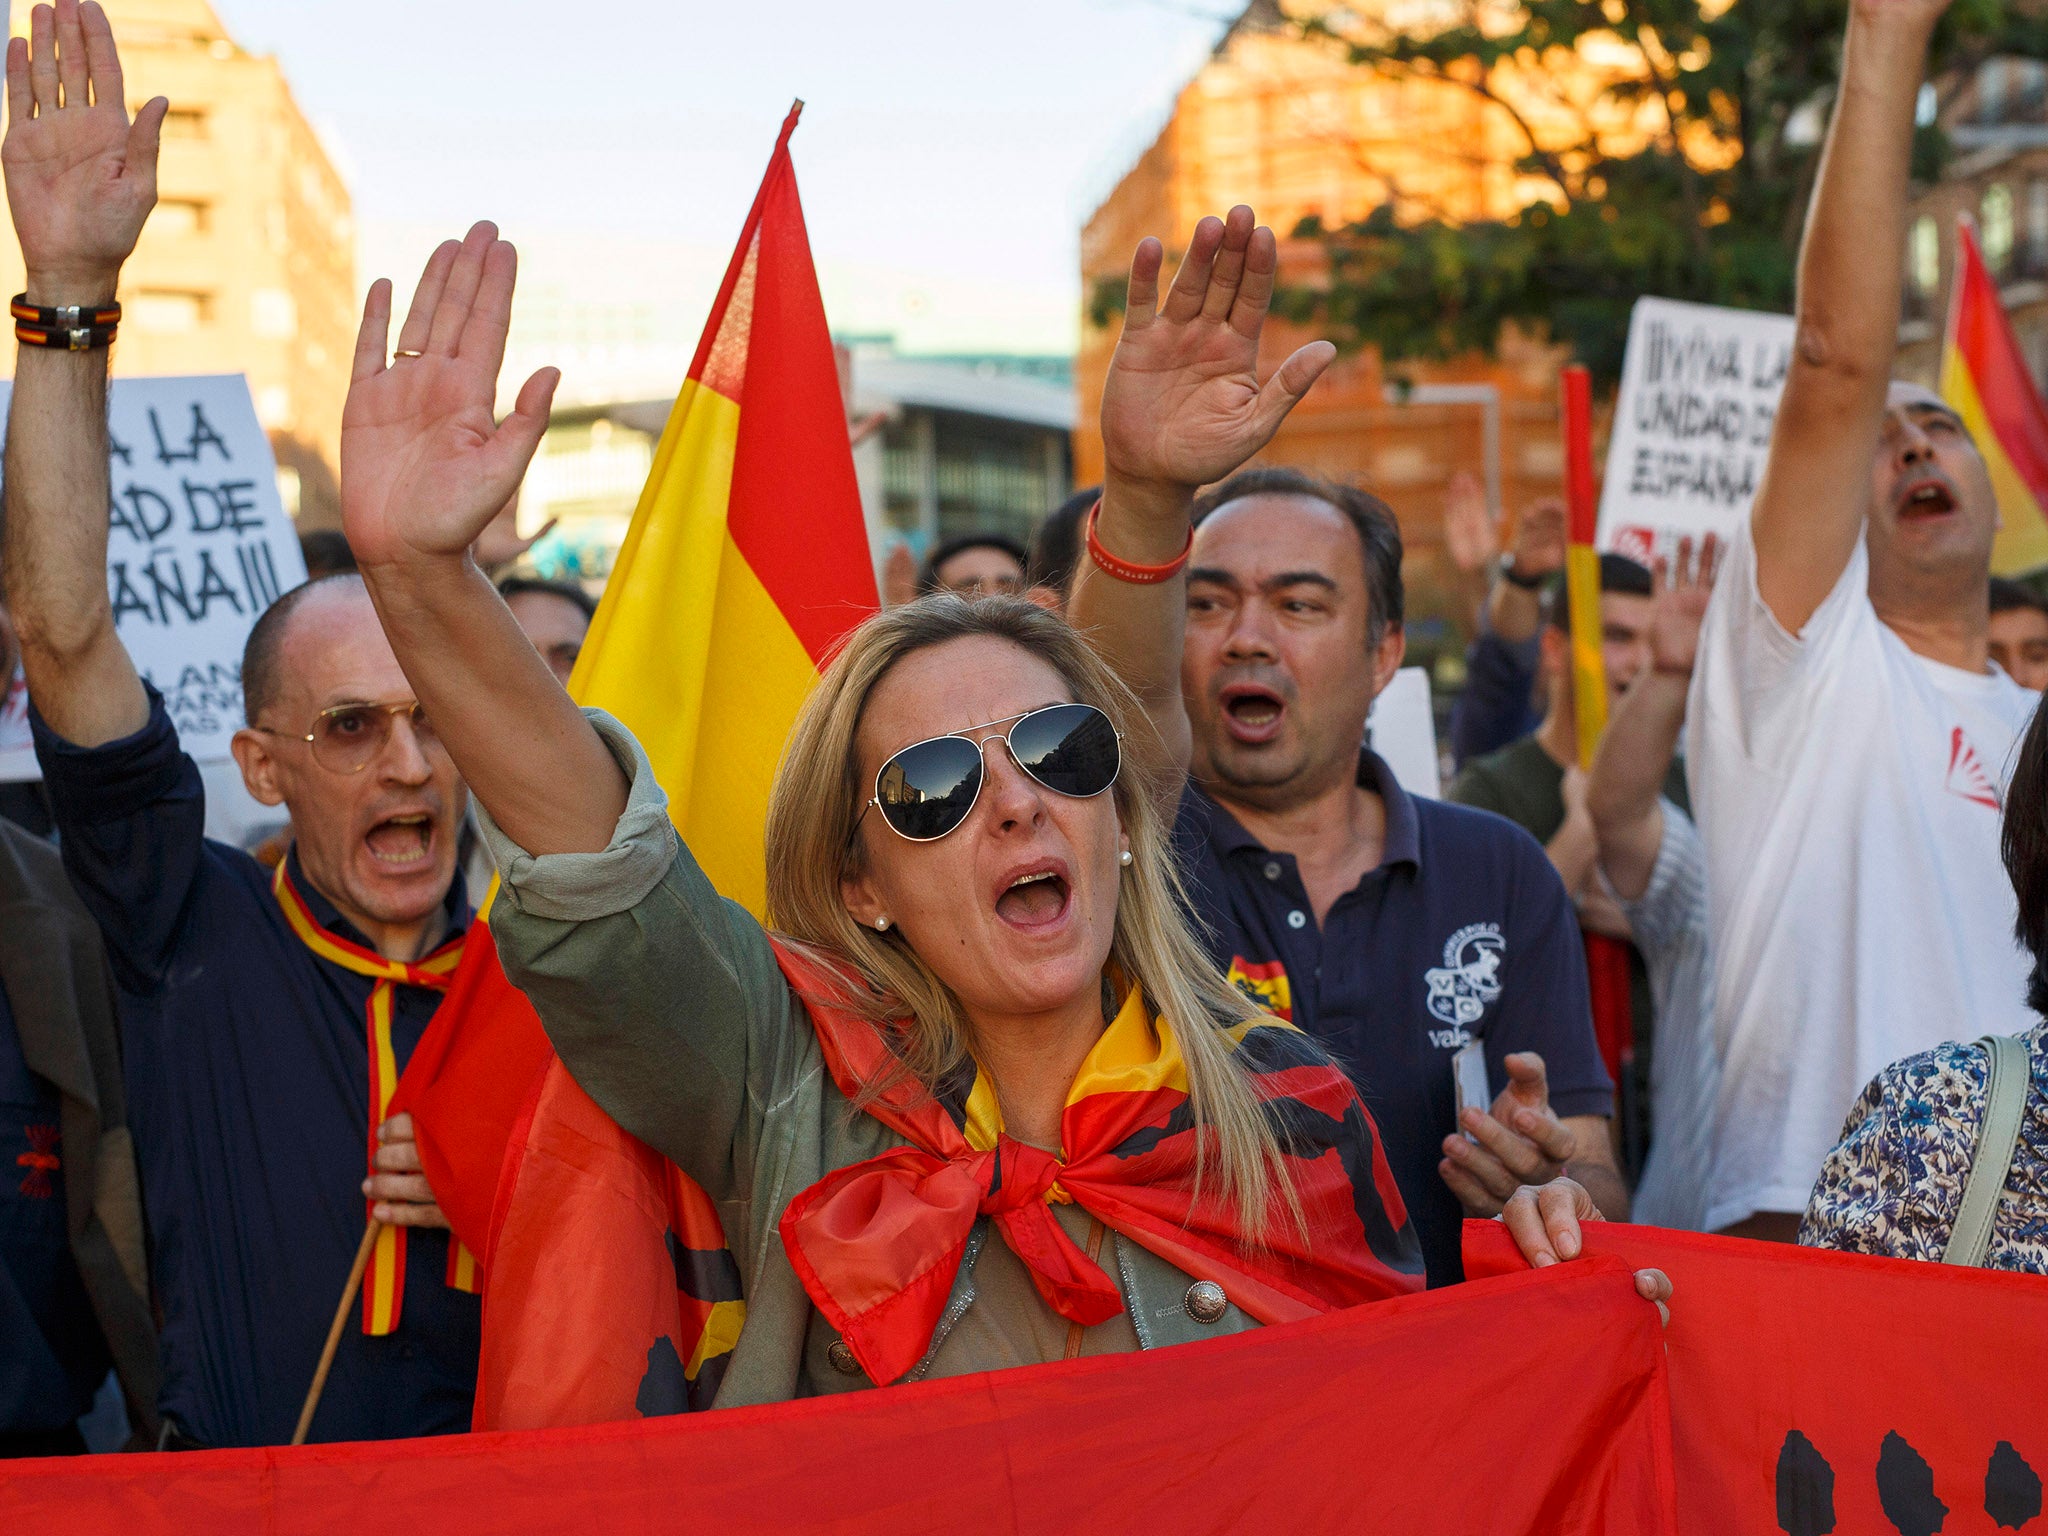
{"x": 1515, "y": 578}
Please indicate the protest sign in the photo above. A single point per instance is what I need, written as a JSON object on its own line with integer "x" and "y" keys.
{"x": 1692, "y": 423}
{"x": 198, "y": 546}
{"x": 1401, "y": 727}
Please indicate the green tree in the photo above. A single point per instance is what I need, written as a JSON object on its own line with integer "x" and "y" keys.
{"x": 1744, "y": 86}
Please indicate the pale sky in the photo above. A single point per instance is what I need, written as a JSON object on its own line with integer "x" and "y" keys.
{"x": 948, "y": 153}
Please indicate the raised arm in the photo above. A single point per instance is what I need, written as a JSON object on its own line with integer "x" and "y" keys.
{"x": 424, "y": 468}
{"x": 1816, "y": 489}
{"x": 1182, "y": 407}
{"x": 1624, "y": 792}
{"x": 80, "y": 180}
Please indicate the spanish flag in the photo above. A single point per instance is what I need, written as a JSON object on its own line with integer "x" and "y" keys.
{"x": 1607, "y": 973}
{"x": 747, "y": 558}
{"x": 1985, "y": 377}
{"x": 610, "y": 1291}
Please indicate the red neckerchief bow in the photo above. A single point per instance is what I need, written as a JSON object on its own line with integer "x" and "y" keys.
{"x": 878, "y": 1244}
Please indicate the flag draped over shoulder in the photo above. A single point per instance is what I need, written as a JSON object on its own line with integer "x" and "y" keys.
{"x": 1984, "y": 375}
{"x": 747, "y": 558}
{"x": 610, "y": 1291}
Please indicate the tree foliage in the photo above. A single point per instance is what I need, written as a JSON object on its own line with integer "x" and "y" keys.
{"x": 1719, "y": 223}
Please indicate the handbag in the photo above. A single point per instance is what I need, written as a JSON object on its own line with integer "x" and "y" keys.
{"x": 2005, "y": 1103}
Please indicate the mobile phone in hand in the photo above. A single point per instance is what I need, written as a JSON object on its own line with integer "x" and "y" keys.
{"x": 1468, "y": 1082}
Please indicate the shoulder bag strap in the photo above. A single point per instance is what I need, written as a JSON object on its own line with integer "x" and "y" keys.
{"x": 2005, "y": 1102}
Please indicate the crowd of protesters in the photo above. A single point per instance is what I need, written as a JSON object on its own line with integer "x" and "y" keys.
{"x": 1099, "y": 811}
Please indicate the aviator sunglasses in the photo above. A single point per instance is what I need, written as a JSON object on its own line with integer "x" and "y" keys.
{"x": 929, "y": 788}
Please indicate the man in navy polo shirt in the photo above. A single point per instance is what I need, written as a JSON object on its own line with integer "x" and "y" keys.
{"x": 1396, "y": 930}
{"x": 258, "y": 1017}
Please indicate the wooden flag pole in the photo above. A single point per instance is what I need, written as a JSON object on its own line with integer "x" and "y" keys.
{"x": 348, "y": 1301}
{"x": 1607, "y": 969}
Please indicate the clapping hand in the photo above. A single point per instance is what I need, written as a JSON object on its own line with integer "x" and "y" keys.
{"x": 80, "y": 177}
{"x": 1679, "y": 592}
{"x": 425, "y": 466}
{"x": 1182, "y": 405}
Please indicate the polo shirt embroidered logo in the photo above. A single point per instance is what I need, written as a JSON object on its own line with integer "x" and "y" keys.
{"x": 1966, "y": 775}
{"x": 1265, "y": 985}
{"x": 1468, "y": 982}
{"x": 40, "y": 1160}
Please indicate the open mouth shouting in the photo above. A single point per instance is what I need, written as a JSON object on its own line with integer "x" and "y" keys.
{"x": 402, "y": 843}
{"x": 1252, "y": 712}
{"x": 1035, "y": 897}
{"x": 1924, "y": 500}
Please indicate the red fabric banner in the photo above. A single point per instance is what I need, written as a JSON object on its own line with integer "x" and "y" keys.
{"x": 1815, "y": 1391}
{"x": 1535, "y": 1403}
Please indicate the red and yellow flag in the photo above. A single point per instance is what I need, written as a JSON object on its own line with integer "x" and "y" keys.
{"x": 747, "y": 558}
{"x": 1606, "y": 957}
{"x": 1985, "y": 377}
{"x": 610, "y": 1291}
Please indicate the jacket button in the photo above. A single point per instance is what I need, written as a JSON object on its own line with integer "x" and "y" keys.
{"x": 1205, "y": 1301}
{"x": 841, "y": 1356}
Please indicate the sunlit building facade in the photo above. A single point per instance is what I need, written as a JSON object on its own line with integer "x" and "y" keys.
{"x": 248, "y": 263}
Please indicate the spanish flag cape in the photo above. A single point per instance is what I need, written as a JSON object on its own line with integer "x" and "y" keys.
{"x": 611, "y": 1294}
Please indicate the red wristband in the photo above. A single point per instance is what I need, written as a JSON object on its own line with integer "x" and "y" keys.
{"x": 1125, "y": 570}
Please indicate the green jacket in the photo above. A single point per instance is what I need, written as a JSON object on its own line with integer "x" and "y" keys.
{"x": 665, "y": 1002}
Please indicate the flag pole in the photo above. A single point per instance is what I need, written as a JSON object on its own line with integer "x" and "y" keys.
{"x": 348, "y": 1301}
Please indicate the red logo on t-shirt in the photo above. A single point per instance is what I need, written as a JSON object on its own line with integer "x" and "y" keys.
{"x": 1966, "y": 775}
{"x": 40, "y": 1160}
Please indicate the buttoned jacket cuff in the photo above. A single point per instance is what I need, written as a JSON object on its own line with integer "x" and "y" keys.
{"x": 580, "y": 887}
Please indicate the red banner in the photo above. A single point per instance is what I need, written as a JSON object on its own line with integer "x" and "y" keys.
{"x": 1817, "y": 1392}
{"x": 1534, "y": 1403}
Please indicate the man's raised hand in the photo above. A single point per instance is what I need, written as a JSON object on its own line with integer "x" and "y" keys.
{"x": 1679, "y": 592}
{"x": 1182, "y": 405}
{"x": 425, "y": 465}
{"x": 80, "y": 177}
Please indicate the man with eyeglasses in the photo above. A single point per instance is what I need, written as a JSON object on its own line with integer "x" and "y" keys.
{"x": 264, "y": 1019}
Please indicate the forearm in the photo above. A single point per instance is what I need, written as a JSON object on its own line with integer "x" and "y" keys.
{"x": 1139, "y": 629}
{"x": 525, "y": 749}
{"x": 1514, "y": 613}
{"x": 1572, "y": 852}
{"x": 1602, "y": 1180}
{"x": 55, "y": 543}
{"x": 1626, "y": 784}
{"x": 1809, "y": 511}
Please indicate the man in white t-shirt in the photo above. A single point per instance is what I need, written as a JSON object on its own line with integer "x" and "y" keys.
{"x": 1848, "y": 736}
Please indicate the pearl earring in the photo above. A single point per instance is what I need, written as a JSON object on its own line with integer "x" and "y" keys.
{"x": 881, "y": 925}
{"x": 1126, "y": 859}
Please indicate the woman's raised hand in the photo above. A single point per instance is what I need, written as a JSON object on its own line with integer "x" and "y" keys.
{"x": 1182, "y": 405}
{"x": 424, "y": 463}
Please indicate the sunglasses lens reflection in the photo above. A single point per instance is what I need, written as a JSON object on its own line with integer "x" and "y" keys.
{"x": 1070, "y": 748}
{"x": 928, "y": 789}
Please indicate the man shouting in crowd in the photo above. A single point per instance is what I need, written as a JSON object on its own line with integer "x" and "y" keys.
{"x": 263, "y": 1021}
{"x": 1849, "y": 739}
{"x": 1398, "y": 930}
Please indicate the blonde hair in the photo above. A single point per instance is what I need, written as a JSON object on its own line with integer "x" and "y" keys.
{"x": 812, "y": 812}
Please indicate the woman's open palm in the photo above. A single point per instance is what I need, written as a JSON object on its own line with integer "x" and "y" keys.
{"x": 1182, "y": 405}
{"x": 425, "y": 465}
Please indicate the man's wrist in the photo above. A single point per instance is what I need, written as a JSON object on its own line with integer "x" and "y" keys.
{"x": 88, "y": 286}
{"x": 1144, "y": 521}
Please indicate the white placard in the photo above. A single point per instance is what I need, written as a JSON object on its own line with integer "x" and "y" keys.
{"x": 1692, "y": 424}
{"x": 1402, "y": 729}
{"x": 199, "y": 545}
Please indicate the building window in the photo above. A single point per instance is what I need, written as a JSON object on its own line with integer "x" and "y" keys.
{"x": 170, "y": 311}
{"x": 184, "y": 123}
{"x": 1925, "y": 258}
{"x": 273, "y": 314}
{"x": 179, "y": 216}
{"x": 1998, "y": 226}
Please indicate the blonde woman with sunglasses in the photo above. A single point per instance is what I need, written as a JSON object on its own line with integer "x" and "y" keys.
{"x": 976, "y": 1098}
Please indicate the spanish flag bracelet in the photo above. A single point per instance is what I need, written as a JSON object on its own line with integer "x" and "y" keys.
{"x": 63, "y": 327}
{"x": 1130, "y": 570}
